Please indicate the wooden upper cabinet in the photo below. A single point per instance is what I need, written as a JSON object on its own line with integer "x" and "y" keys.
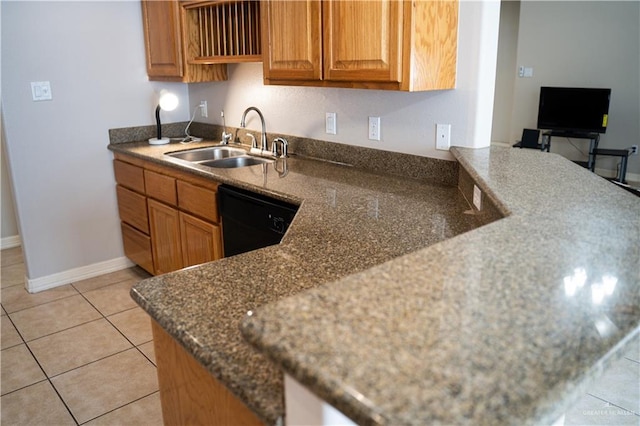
{"x": 363, "y": 40}
{"x": 382, "y": 44}
{"x": 162, "y": 38}
{"x": 292, "y": 39}
{"x": 167, "y": 46}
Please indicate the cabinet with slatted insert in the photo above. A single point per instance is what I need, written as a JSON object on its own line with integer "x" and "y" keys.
{"x": 192, "y": 41}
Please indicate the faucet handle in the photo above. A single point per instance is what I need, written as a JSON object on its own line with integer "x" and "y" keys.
{"x": 254, "y": 144}
{"x": 274, "y": 147}
{"x": 226, "y": 138}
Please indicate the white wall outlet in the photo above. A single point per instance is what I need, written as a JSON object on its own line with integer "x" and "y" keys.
{"x": 477, "y": 197}
{"x": 330, "y": 124}
{"x": 41, "y": 91}
{"x": 374, "y": 128}
{"x": 443, "y": 136}
{"x": 634, "y": 149}
{"x": 203, "y": 109}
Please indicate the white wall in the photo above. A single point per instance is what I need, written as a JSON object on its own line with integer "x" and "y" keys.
{"x": 93, "y": 55}
{"x": 408, "y": 120}
{"x": 583, "y": 44}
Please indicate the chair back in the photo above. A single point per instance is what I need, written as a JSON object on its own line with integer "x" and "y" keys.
{"x": 530, "y": 138}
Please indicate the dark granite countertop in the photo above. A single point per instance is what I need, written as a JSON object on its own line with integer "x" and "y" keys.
{"x": 349, "y": 220}
{"x": 507, "y": 324}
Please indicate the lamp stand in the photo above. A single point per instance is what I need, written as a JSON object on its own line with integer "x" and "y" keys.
{"x": 158, "y": 140}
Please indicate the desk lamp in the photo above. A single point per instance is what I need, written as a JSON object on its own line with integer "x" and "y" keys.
{"x": 167, "y": 102}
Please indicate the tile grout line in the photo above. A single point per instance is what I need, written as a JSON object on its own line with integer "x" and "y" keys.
{"x": 47, "y": 378}
{"x": 614, "y": 405}
{"x": 122, "y": 406}
{"x": 119, "y": 331}
{"x": 102, "y": 316}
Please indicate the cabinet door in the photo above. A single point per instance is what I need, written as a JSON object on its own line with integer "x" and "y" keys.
{"x": 162, "y": 38}
{"x": 164, "y": 230}
{"x": 292, "y": 39}
{"x": 137, "y": 247}
{"x": 200, "y": 240}
{"x": 363, "y": 40}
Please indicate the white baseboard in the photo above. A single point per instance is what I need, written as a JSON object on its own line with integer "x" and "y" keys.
{"x": 77, "y": 274}
{"x": 10, "y": 242}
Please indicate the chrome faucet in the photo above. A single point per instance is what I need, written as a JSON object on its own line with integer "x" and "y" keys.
{"x": 263, "y": 138}
{"x": 274, "y": 147}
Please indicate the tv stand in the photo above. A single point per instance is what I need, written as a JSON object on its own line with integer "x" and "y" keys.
{"x": 594, "y": 139}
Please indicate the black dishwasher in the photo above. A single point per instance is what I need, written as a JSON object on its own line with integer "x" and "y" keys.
{"x": 251, "y": 221}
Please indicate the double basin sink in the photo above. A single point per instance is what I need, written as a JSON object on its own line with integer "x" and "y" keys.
{"x": 222, "y": 156}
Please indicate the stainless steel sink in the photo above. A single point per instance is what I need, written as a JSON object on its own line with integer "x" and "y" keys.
{"x": 233, "y": 162}
{"x": 200, "y": 155}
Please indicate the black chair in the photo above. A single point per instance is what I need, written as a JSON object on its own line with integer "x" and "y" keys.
{"x": 530, "y": 140}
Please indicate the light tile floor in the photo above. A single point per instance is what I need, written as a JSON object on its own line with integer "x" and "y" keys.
{"x": 83, "y": 354}
{"x": 80, "y": 354}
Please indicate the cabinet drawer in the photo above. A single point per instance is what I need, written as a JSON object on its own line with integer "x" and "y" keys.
{"x": 161, "y": 187}
{"x": 129, "y": 175}
{"x": 200, "y": 201}
{"x": 137, "y": 247}
{"x": 132, "y": 208}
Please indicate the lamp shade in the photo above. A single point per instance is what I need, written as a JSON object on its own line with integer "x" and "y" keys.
{"x": 167, "y": 102}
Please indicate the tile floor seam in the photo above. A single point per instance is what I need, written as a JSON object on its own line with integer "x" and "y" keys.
{"x": 39, "y": 304}
{"x": 58, "y": 331}
{"x": 47, "y": 378}
{"x": 100, "y": 312}
{"x": 118, "y": 408}
{"x": 89, "y": 363}
{"x": 614, "y": 405}
{"x": 121, "y": 333}
{"x": 98, "y": 288}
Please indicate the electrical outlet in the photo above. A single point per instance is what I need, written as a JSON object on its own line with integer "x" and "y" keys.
{"x": 374, "y": 128}
{"x": 330, "y": 123}
{"x": 634, "y": 149}
{"x": 203, "y": 109}
{"x": 477, "y": 197}
{"x": 443, "y": 136}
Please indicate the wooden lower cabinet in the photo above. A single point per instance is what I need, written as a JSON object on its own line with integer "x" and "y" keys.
{"x": 164, "y": 230}
{"x": 200, "y": 240}
{"x": 169, "y": 217}
{"x": 189, "y": 394}
{"x": 137, "y": 247}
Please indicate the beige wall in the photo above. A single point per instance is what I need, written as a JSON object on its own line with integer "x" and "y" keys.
{"x": 582, "y": 44}
{"x": 7, "y": 215}
{"x": 505, "y": 71}
{"x": 93, "y": 55}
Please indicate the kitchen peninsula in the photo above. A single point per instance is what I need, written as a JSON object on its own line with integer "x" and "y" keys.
{"x": 415, "y": 312}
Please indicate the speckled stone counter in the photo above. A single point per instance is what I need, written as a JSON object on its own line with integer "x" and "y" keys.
{"x": 507, "y": 324}
{"x": 349, "y": 220}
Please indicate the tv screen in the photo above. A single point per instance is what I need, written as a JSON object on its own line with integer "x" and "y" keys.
{"x": 574, "y": 109}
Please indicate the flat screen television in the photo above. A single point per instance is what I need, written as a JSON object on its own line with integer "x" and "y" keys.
{"x": 574, "y": 110}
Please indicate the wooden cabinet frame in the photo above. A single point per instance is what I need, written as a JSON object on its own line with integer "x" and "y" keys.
{"x": 388, "y": 44}
{"x": 169, "y": 218}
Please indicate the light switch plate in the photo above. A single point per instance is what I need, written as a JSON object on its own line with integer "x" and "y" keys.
{"x": 330, "y": 123}
{"x": 41, "y": 91}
